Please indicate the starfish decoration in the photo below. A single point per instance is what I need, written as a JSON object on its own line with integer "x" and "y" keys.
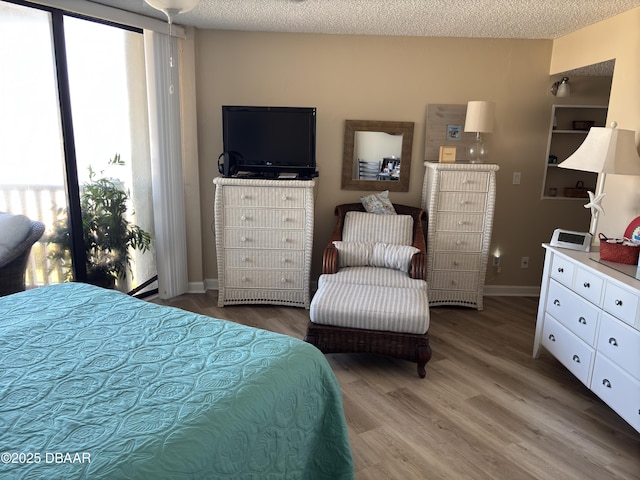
{"x": 594, "y": 203}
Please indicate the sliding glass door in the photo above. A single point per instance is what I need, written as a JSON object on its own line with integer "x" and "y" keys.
{"x": 76, "y": 146}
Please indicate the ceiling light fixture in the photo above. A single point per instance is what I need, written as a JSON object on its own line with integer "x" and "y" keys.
{"x": 561, "y": 88}
{"x": 171, "y": 8}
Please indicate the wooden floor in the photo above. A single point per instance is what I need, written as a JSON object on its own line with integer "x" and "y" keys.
{"x": 486, "y": 410}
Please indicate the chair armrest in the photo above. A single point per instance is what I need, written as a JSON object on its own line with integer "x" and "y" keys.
{"x": 418, "y": 267}
{"x": 330, "y": 259}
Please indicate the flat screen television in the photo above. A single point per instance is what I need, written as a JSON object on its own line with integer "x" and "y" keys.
{"x": 269, "y": 141}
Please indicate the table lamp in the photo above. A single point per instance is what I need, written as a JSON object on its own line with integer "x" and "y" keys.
{"x": 479, "y": 119}
{"x": 605, "y": 150}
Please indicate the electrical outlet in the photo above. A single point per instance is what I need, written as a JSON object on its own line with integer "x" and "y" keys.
{"x": 516, "y": 178}
{"x": 524, "y": 262}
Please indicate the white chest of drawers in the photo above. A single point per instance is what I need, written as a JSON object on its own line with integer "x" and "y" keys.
{"x": 589, "y": 319}
{"x": 264, "y": 240}
{"x": 459, "y": 199}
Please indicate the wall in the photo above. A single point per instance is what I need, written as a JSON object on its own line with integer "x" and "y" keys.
{"x": 616, "y": 38}
{"x": 392, "y": 78}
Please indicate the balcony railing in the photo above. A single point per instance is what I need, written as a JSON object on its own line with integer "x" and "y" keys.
{"x": 38, "y": 202}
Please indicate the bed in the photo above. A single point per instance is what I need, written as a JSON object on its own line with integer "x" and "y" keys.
{"x": 96, "y": 384}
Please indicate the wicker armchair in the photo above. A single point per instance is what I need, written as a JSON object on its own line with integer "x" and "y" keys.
{"x": 331, "y": 299}
{"x": 14, "y": 264}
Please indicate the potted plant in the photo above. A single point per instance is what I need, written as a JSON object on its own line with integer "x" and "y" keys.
{"x": 108, "y": 235}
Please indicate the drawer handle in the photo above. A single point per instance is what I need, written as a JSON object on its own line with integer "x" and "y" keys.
{"x": 456, "y": 263}
{"x": 244, "y": 259}
{"x": 284, "y": 240}
{"x": 556, "y": 302}
{"x": 586, "y": 285}
{"x": 285, "y": 198}
{"x": 453, "y": 282}
{"x": 463, "y": 202}
{"x": 245, "y": 279}
{"x": 283, "y": 280}
{"x": 560, "y": 270}
{"x": 576, "y": 359}
{"x": 552, "y": 337}
{"x": 243, "y": 239}
{"x": 461, "y": 222}
{"x": 606, "y": 383}
{"x": 243, "y": 196}
{"x": 284, "y": 260}
{"x": 458, "y": 242}
{"x": 618, "y": 303}
{"x": 285, "y": 219}
{"x": 243, "y": 218}
{"x": 613, "y": 341}
{"x": 582, "y": 320}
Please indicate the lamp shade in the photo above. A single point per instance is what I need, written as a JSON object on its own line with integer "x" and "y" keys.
{"x": 175, "y": 6}
{"x": 479, "y": 117}
{"x": 606, "y": 150}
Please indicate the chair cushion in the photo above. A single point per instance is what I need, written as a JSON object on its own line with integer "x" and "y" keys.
{"x": 371, "y": 227}
{"x": 371, "y": 307}
{"x": 383, "y": 277}
{"x": 14, "y": 229}
{"x": 387, "y": 255}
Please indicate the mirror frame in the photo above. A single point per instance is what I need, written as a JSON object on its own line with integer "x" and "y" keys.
{"x": 393, "y": 128}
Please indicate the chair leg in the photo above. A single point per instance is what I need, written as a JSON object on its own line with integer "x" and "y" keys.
{"x": 423, "y": 356}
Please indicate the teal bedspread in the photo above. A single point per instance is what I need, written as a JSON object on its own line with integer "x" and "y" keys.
{"x": 95, "y": 384}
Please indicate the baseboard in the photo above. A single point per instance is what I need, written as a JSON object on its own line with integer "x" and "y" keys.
{"x": 489, "y": 290}
{"x": 511, "y": 291}
{"x": 197, "y": 287}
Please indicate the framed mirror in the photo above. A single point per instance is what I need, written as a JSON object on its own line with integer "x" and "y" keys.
{"x": 377, "y": 155}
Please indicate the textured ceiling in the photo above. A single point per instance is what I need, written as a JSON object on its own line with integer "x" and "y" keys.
{"x": 529, "y": 19}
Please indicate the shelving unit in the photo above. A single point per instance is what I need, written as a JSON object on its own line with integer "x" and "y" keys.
{"x": 563, "y": 141}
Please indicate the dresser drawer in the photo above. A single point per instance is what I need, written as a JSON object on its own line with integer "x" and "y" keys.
{"x": 588, "y": 285}
{"x": 461, "y": 181}
{"x": 458, "y": 242}
{"x": 264, "y": 197}
{"x": 572, "y": 352}
{"x": 562, "y": 270}
{"x": 617, "y": 389}
{"x": 264, "y": 239}
{"x": 460, "y": 222}
{"x": 574, "y": 312}
{"x": 457, "y": 261}
{"x": 271, "y": 259}
{"x": 620, "y": 303}
{"x": 462, "y": 202}
{"x": 461, "y": 281}
{"x": 268, "y": 279}
{"x": 620, "y": 343}
{"x": 264, "y": 218}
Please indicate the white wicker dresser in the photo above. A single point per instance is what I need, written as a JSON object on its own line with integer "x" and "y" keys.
{"x": 459, "y": 199}
{"x": 264, "y": 240}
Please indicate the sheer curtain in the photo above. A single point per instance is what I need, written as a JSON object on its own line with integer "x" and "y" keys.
{"x": 166, "y": 164}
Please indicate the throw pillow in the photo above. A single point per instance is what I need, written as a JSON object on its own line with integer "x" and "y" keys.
{"x": 354, "y": 254}
{"x": 396, "y": 257}
{"x": 369, "y": 254}
{"x": 378, "y": 203}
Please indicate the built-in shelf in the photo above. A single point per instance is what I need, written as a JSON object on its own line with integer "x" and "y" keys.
{"x": 562, "y": 142}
